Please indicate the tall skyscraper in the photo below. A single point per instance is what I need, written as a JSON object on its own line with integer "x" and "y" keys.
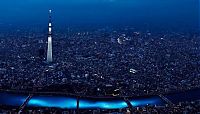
{"x": 49, "y": 50}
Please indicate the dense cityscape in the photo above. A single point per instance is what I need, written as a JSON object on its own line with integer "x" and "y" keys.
{"x": 101, "y": 62}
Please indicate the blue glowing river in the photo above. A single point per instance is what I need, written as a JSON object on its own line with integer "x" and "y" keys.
{"x": 68, "y": 102}
{"x": 155, "y": 100}
{"x": 102, "y": 104}
{"x": 51, "y": 101}
{"x": 65, "y": 102}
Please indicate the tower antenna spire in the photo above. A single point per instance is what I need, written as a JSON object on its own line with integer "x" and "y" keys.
{"x": 50, "y": 11}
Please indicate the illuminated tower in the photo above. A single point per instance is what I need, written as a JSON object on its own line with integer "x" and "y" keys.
{"x": 49, "y": 50}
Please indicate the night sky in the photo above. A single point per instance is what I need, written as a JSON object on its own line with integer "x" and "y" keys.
{"x": 181, "y": 13}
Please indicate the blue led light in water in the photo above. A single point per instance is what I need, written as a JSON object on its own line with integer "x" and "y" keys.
{"x": 146, "y": 101}
{"x": 71, "y": 102}
{"x": 57, "y": 102}
{"x": 115, "y": 104}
